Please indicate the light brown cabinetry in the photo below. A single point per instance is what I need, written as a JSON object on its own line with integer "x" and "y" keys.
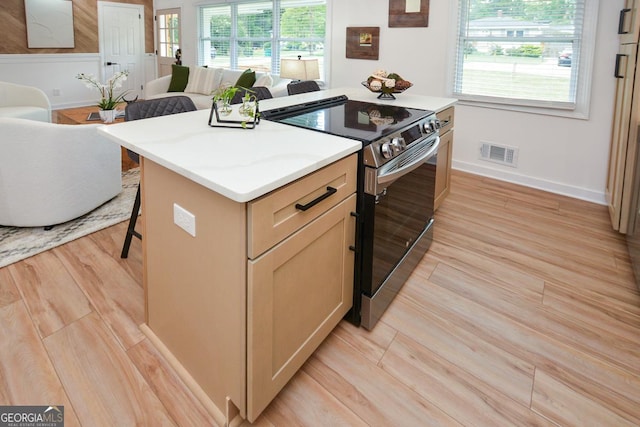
{"x": 623, "y": 147}
{"x": 300, "y": 288}
{"x": 245, "y": 302}
{"x": 443, "y": 170}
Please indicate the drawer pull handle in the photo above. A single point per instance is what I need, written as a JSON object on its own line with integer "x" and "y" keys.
{"x": 621, "y": 30}
{"x": 616, "y": 73}
{"x": 330, "y": 191}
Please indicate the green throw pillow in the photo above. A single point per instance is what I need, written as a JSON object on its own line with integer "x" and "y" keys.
{"x": 246, "y": 79}
{"x": 179, "y": 78}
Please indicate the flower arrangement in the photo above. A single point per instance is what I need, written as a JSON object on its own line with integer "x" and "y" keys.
{"x": 108, "y": 101}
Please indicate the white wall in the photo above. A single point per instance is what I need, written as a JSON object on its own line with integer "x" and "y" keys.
{"x": 55, "y": 74}
{"x": 566, "y": 156}
{"x": 562, "y": 155}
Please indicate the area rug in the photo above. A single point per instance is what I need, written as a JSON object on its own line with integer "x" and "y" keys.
{"x": 17, "y": 243}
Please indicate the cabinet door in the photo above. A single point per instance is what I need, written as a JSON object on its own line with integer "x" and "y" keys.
{"x": 617, "y": 181}
{"x": 628, "y": 23}
{"x": 446, "y": 118}
{"x": 443, "y": 168}
{"x": 297, "y": 293}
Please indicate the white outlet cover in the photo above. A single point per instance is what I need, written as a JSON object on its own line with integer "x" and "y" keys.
{"x": 184, "y": 219}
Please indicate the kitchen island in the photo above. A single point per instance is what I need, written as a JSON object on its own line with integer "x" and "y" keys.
{"x": 241, "y": 285}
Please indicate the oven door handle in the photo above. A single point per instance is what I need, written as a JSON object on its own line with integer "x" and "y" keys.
{"x": 392, "y": 176}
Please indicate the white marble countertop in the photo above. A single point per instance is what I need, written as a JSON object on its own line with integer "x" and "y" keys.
{"x": 244, "y": 164}
{"x": 361, "y": 93}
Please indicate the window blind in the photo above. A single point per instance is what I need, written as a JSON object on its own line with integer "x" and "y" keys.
{"x": 257, "y": 34}
{"x": 519, "y": 52}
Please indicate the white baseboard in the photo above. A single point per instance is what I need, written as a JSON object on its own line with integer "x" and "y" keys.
{"x": 540, "y": 184}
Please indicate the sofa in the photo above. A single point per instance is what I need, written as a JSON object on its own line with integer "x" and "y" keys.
{"x": 51, "y": 173}
{"x": 26, "y": 102}
{"x": 200, "y": 83}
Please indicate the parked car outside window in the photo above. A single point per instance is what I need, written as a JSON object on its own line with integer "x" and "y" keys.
{"x": 564, "y": 59}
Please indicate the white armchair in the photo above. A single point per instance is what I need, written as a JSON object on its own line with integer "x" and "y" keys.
{"x": 52, "y": 173}
{"x": 25, "y": 102}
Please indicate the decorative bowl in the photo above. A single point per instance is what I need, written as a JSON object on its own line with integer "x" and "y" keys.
{"x": 386, "y": 92}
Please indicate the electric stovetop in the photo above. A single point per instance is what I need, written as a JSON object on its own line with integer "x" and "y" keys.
{"x": 363, "y": 121}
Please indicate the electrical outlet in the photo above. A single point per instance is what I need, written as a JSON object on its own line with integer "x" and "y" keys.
{"x": 184, "y": 219}
{"x": 57, "y": 92}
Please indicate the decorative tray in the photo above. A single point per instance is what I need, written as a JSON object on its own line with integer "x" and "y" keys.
{"x": 385, "y": 92}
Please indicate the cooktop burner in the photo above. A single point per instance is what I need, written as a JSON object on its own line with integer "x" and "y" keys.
{"x": 363, "y": 121}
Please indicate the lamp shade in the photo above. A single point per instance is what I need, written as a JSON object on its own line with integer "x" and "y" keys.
{"x": 299, "y": 69}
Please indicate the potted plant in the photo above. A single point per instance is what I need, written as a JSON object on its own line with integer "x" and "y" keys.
{"x": 108, "y": 100}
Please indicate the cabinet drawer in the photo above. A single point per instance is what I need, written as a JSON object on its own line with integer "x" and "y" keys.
{"x": 446, "y": 120}
{"x": 274, "y": 216}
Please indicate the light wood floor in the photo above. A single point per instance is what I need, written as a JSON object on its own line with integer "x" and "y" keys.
{"x": 524, "y": 312}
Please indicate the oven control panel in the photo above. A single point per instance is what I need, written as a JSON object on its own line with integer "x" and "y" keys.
{"x": 381, "y": 151}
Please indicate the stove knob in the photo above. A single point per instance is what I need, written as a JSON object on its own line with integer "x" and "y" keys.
{"x": 386, "y": 149}
{"x": 426, "y": 127}
{"x": 398, "y": 144}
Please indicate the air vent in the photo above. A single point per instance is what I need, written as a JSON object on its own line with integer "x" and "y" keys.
{"x": 502, "y": 154}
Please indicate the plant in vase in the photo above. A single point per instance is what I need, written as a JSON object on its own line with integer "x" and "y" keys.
{"x": 223, "y": 96}
{"x": 249, "y": 107}
{"x": 108, "y": 99}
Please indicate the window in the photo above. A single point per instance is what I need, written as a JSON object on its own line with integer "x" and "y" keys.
{"x": 531, "y": 53}
{"x": 168, "y": 40}
{"x": 257, "y": 34}
{"x": 168, "y": 32}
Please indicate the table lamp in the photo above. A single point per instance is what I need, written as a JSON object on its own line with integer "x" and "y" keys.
{"x": 302, "y": 74}
{"x": 299, "y": 69}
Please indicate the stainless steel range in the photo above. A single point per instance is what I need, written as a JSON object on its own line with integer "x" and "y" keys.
{"x": 396, "y": 184}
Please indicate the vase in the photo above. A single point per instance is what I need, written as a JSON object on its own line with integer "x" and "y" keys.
{"x": 224, "y": 107}
{"x": 247, "y": 108}
{"x": 108, "y": 116}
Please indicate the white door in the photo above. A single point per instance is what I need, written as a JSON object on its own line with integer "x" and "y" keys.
{"x": 121, "y": 29}
{"x": 168, "y": 39}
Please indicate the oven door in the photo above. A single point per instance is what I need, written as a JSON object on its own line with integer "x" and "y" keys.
{"x": 397, "y": 231}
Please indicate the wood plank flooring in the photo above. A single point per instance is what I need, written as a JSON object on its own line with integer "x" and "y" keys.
{"x": 523, "y": 313}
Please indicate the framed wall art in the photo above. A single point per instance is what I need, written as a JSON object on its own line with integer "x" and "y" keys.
{"x": 49, "y": 23}
{"x": 363, "y": 42}
{"x": 408, "y": 13}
